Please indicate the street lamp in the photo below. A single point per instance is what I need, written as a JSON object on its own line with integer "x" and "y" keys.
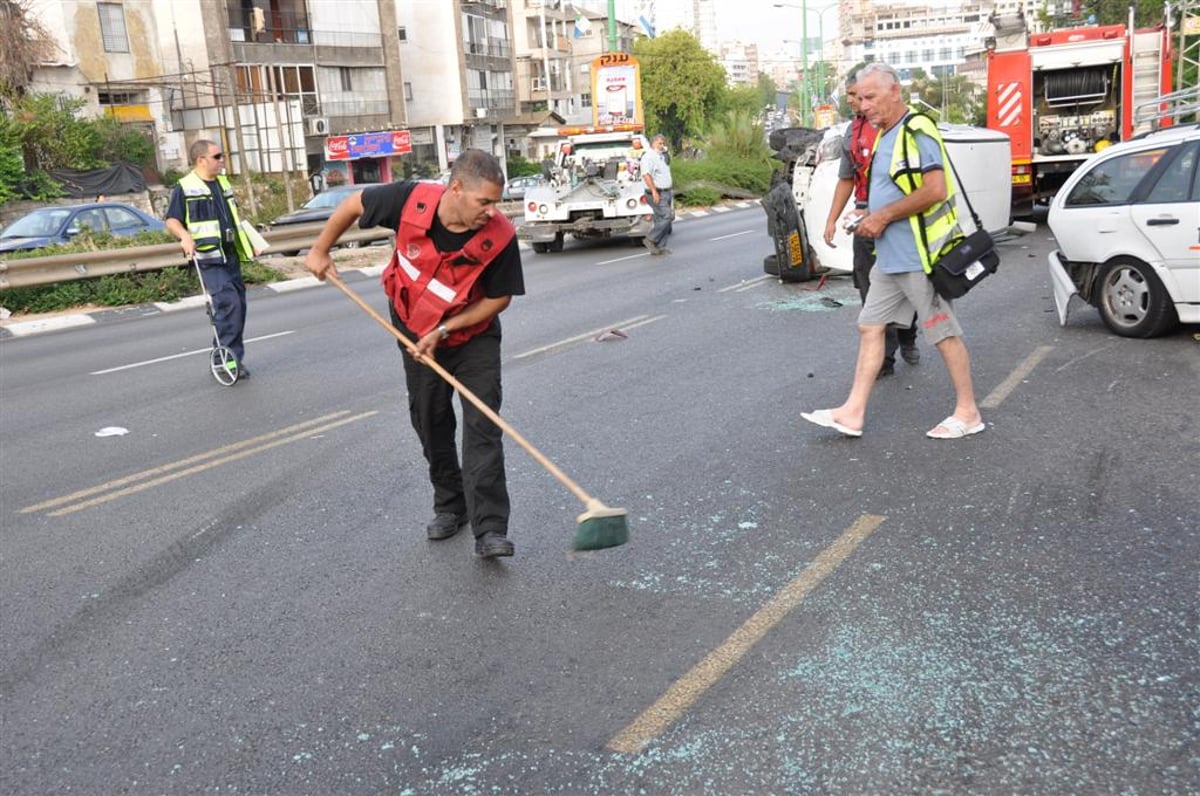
{"x": 805, "y": 99}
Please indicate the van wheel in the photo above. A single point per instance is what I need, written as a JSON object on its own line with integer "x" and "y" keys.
{"x": 1132, "y": 302}
{"x": 541, "y": 248}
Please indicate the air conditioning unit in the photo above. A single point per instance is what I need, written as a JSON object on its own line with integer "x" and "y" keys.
{"x": 481, "y": 113}
{"x": 318, "y": 125}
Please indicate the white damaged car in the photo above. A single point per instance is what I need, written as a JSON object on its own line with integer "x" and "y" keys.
{"x": 1127, "y": 224}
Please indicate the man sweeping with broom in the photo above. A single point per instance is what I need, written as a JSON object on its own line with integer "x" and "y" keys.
{"x": 455, "y": 268}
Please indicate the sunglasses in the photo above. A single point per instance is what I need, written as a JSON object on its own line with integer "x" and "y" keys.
{"x": 218, "y": 156}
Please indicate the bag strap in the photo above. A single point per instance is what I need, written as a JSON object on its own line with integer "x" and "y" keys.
{"x": 957, "y": 181}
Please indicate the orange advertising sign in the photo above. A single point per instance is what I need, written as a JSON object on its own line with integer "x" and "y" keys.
{"x": 616, "y": 89}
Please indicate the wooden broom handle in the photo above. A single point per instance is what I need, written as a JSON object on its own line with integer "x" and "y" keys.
{"x": 491, "y": 414}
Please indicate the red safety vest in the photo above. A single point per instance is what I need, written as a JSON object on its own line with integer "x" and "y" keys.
{"x": 427, "y": 286}
{"x": 862, "y": 146}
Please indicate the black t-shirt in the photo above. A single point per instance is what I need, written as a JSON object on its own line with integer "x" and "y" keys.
{"x": 501, "y": 277}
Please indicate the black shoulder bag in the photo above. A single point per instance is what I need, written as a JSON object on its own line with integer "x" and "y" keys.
{"x": 968, "y": 260}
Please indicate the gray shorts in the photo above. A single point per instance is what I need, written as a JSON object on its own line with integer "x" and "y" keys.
{"x": 894, "y": 297}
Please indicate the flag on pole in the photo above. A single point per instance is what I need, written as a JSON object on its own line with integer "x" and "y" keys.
{"x": 647, "y": 26}
{"x": 583, "y": 26}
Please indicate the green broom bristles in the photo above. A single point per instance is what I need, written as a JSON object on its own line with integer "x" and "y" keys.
{"x": 600, "y": 527}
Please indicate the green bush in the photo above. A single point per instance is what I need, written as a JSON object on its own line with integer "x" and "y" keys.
{"x": 753, "y": 176}
{"x": 520, "y": 167}
{"x": 698, "y": 196}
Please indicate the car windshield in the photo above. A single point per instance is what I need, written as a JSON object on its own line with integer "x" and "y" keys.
{"x": 37, "y": 224}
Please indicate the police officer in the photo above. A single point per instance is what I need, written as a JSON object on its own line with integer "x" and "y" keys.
{"x": 203, "y": 215}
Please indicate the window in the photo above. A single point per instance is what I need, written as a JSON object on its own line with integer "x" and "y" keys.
{"x": 408, "y": 91}
{"x": 403, "y": 33}
{"x": 112, "y": 28}
{"x": 344, "y": 76}
{"x": 1177, "y": 181}
{"x": 1112, "y": 182}
{"x": 585, "y": 100}
{"x": 120, "y": 218}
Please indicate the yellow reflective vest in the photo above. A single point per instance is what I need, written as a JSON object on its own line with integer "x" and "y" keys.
{"x": 203, "y": 219}
{"x": 936, "y": 229}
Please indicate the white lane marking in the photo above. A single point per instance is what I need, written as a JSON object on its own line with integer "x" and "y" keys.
{"x": 997, "y": 396}
{"x": 623, "y": 259}
{"x": 626, "y": 324}
{"x": 132, "y": 365}
{"x": 746, "y": 284}
{"x": 294, "y": 284}
{"x": 735, "y": 234}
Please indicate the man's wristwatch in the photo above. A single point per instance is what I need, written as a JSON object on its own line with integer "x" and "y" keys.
{"x": 444, "y": 331}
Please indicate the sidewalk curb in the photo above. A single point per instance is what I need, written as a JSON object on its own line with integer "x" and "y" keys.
{"x": 69, "y": 321}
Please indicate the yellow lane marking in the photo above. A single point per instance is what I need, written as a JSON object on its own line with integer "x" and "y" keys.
{"x": 689, "y": 688}
{"x": 218, "y": 456}
{"x": 997, "y": 396}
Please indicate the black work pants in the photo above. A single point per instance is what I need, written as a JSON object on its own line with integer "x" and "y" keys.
{"x": 896, "y": 336}
{"x": 478, "y": 488}
{"x": 224, "y": 285}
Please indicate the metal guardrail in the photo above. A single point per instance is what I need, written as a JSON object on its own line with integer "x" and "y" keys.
{"x": 33, "y": 271}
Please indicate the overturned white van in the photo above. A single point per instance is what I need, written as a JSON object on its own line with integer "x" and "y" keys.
{"x": 803, "y": 187}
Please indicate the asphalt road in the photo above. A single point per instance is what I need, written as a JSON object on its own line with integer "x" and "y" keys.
{"x": 235, "y": 595}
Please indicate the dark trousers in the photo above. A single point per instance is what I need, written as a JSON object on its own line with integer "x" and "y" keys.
{"x": 478, "y": 487}
{"x": 896, "y": 336}
{"x": 224, "y": 284}
{"x": 664, "y": 215}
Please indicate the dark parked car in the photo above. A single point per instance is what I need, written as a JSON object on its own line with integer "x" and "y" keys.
{"x": 48, "y": 226}
{"x": 321, "y": 206}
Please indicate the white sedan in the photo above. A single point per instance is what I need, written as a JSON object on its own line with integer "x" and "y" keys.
{"x": 1127, "y": 224}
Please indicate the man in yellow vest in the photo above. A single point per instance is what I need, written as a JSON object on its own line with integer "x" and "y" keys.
{"x": 911, "y": 217}
{"x": 203, "y": 214}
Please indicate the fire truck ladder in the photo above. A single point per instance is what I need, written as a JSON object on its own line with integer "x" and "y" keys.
{"x": 1147, "y": 76}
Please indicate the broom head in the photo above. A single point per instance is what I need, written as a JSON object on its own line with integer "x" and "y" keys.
{"x": 600, "y": 527}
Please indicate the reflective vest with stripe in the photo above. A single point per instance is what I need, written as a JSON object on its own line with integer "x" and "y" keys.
{"x": 427, "y": 286}
{"x": 936, "y": 229}
{"x": 862, "y": 144}
{"x": 202, "y": 218}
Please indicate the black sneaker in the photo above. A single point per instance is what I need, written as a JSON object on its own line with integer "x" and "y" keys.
{"x": 493, "y": 544}
{"x": 910, "y": 353}
{"x": 888, "y": 369}
{"x": 444, "y": 525}
{"x": 651, "y": 245}
{"x": 243, "y": 372}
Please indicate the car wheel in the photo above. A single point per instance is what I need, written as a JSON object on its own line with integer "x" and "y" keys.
{"x": 541, "y": 248}
{"x": 1132, "y": 301}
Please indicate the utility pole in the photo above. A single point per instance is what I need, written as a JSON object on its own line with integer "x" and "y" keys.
{"x": 612, "y": 26}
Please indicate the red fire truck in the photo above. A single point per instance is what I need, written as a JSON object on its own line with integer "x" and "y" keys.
{"x": 1064, "y": 94}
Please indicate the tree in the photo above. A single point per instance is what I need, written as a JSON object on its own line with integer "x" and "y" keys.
{"x": 682, "y": 84}
{"x": 24, "y": 43}
{"x": 1110, "y": 12}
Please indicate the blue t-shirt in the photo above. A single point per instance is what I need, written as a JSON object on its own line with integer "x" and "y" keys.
{"x": 896, "y": 250}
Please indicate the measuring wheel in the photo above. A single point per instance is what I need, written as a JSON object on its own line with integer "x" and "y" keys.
{"x": 224, "y": 365}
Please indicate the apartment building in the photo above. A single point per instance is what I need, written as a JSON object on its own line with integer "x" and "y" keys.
{"x": 935, "y": 37}
{"x": 740, "y": 60}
